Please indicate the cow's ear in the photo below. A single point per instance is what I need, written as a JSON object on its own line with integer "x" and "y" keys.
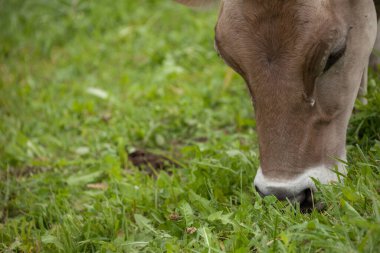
{"x": 197, "y": 3}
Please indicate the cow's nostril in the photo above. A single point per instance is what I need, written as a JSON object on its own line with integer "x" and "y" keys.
{"x": 308, "y": 195}
{"x": 308, "y": 202}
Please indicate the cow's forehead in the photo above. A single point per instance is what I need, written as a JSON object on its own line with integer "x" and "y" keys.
{"x": 275, "y": 32}
{"x": 307, "y": 9}
{"x": 301, "y": 16}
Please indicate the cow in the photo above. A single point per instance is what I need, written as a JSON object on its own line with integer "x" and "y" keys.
{"x": 304, "y": 62}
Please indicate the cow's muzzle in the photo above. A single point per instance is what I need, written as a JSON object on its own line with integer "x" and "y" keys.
{"x": 300, "y": 188}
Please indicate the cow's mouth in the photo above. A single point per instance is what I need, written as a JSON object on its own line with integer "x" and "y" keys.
{"x": 306, "y": 201}
{"x": 309, "y": 203}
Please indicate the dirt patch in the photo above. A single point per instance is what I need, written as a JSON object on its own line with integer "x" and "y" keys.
{"x": 19, "y": 172}
{"x": 149, "y": 162}
{"x": 201, "y": 139}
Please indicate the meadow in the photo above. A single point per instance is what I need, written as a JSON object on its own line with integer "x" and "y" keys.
{"x": 91, "y": 90}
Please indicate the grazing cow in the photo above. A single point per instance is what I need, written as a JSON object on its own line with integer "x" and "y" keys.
{"x": 304, "y": 62}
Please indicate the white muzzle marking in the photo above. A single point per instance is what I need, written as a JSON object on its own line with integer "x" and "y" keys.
{"x": 292, "y": 187}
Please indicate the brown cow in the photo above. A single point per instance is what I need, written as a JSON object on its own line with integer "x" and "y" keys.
{"x": 304, "y": 62}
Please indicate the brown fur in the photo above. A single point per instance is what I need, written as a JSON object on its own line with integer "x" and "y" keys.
{"x": 281, "y": 48}
{"x": 197, "y": 3}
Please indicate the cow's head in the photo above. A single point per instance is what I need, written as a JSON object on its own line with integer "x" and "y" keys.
{"x": 303, "y": 62}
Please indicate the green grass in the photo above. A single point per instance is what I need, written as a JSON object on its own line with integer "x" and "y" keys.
{"x": 164, "y": 90}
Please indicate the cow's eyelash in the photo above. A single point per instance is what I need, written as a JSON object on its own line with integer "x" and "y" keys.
{"x": 334, "y": 57}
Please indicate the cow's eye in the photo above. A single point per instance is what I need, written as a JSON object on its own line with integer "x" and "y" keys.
{"x": 334, "y": 58}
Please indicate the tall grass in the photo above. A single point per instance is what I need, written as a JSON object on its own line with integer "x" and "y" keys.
{"x": 82, "y": 83}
